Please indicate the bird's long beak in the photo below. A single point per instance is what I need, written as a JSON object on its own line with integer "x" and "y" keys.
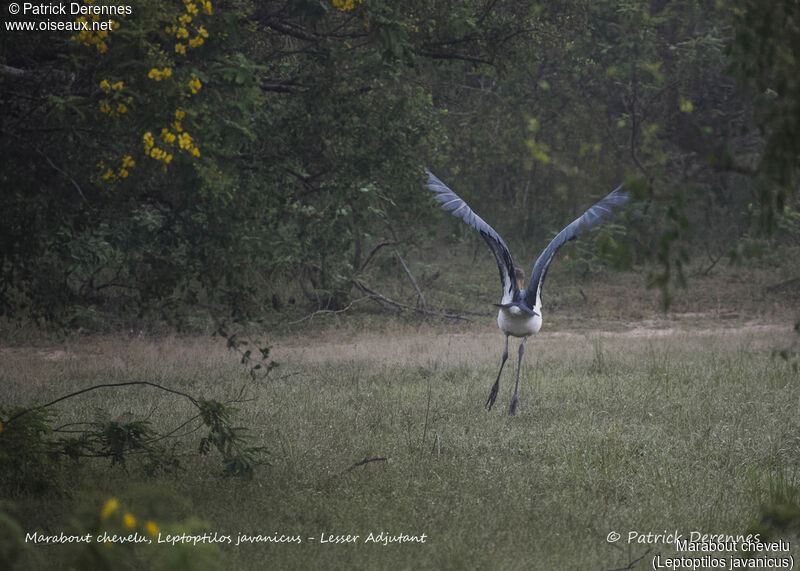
{"x": 519, "y": 283}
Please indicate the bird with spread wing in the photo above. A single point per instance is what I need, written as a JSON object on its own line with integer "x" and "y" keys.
{"x": 520, "y": 310}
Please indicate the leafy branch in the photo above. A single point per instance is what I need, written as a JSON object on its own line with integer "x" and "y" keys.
{"x": 29, "y": 453}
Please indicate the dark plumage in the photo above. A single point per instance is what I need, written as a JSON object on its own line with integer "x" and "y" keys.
{"x": 530, "y": 298}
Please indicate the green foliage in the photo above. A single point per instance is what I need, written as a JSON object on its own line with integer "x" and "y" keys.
{"x": 220, "y": 172}
{"x": 260, "y": 365}
{"x": 30, "y": 447}
{"x": 599, "y": 249}
{"x": 113, "y": 520}
{"x": 230, "y": 441}
{"x": 204, "y": 167}
{"x": 28, "y": 459}
{"x": 764, "y": 52}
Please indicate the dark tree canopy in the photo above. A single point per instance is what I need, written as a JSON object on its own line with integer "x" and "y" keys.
{"x": 213, "y": 156}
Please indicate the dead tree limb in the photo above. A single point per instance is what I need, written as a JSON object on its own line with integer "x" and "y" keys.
{"x": 383, "y": 299}
{"x": 373, "y": 252}
{"x": 413, "y": 281}
{"x": 311, "y": 316}
{"x": 104, "y": 386}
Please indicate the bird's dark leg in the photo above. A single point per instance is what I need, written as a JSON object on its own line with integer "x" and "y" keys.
{"x": 513, "y": 407}
{"x": 496, "y": 385}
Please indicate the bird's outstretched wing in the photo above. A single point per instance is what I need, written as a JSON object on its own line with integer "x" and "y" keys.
{"x": 452, "y": 202}
{"x": 597, "y": 214}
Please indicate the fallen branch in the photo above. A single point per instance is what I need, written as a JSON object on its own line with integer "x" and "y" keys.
{"x": 382, "y": 298}
{"x": 103, "y": 386}
{"x": 115, "y": 440}
{"x": 311, "y": 316}
{"x": 367, "y": 461}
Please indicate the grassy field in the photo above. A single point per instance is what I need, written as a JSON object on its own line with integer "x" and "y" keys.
{"x": 662, "y": 426}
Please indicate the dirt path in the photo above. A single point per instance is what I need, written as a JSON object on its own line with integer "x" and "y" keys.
{"x": 398, "y": 344}
{"x": 479, "y": 343}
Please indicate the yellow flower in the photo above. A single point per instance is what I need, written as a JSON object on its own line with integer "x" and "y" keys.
{"x": 345, "y": 5}
{"x": 192, "y": 8}
{"x": 180, "y": 48}
{"x": 148, "y": 141}
{"x": 117, "y": 86}
{"x": 127, "y": 161}
{"x": 105, "y": 107}
{"x": 128, "y": 519}
{"x": 182, "y": 33}
{"x": 179, "y": 114}
{"x": 105, "y": 86}
{"x": 196, "y": 42}
{"x": 167, "y": 136}
{"x": 158, "y": 75}
{"x": 185, "y": 19}
{"x": 195, "y": 85}
{"x": 207, "y": 8}
{"x": 151, "y": 527}
{"x": 202, "y": 31}
{"x": 168, "y": 158}
{"x": 196, "y": 152}
{"x": 185, "y": 141}
{"x": 123, "y": 173}
{"x": 110, "y": 507}
{"x": 177, "y": 126}
{"x": 122, "y": 108}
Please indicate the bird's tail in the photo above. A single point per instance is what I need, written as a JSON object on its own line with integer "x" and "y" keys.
{"x": 522, "y": 307}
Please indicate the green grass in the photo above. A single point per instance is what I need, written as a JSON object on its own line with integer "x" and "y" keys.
{"x": 646, "y": 430}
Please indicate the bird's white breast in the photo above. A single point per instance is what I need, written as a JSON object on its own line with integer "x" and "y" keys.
{"x": 514, "y": 321}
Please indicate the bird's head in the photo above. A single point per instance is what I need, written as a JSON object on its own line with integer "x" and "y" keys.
{"x": 519, "y": 277}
